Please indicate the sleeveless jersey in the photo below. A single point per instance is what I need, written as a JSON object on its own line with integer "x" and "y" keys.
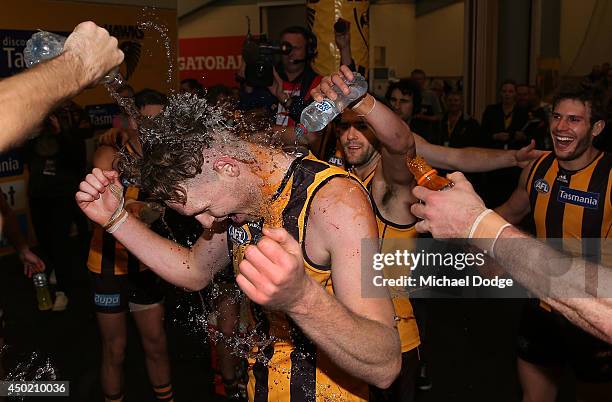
{"x": 296, "y": 371}
{"x": 392, "y": 236}
{"x": 573, "y": 207}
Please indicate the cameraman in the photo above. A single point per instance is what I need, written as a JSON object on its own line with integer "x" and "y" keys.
{"x": 294, "y": 78}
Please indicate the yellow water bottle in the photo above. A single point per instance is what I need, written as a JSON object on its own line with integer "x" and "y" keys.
{"x": 42, "y": 291}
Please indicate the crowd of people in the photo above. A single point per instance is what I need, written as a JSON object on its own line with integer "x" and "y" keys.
{"x": 279, "y": 227}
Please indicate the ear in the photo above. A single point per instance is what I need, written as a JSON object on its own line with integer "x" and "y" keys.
{"x": 598, "y": 127}
{"x": 224, "y": 165}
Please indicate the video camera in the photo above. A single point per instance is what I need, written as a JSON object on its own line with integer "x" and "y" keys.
{"x": 259, "y": 54}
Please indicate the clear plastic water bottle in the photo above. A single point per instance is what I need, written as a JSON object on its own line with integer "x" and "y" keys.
{"x": 42, "y": 291}
{"x": 317, "y": 115}
{"x": 45, "y": 45}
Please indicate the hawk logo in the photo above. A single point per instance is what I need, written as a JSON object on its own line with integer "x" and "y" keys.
{"x": 541, "y": 186}
{"x": 562, "y": 178}
{"x": 131, "y": 50}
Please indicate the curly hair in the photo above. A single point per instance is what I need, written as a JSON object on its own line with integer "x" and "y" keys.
{"x": 592, "y": 97}
{"x": 173, "y": 143}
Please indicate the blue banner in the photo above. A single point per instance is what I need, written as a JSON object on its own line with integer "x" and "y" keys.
{"x": 13, "y": 44}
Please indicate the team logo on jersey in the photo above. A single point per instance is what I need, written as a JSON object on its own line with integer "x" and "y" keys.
{"x": 584, "y": 199}
{"x": 107, "y": 300}
{"x": 541, "y": 186}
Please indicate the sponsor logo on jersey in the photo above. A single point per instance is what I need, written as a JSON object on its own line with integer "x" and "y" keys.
{"x": 576, "y": 197}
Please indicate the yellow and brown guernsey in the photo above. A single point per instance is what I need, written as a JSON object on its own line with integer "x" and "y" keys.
{"x": 296, "y": 371}
{"x": 573, "y": 206}
{"x": 392, "y": 237}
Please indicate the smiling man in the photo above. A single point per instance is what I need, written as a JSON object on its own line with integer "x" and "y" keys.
{"x": 295, "y": 240}
{"x": 567, "y": 193}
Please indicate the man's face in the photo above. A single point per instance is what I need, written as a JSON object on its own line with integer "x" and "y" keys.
{"x": 401, "y": 104}
{"x": 454, "y": 103}
{"x": 213, "y": 196}
{"x": 356, "y": 138}
{"x": 508, "y": 93}
{"x": 571, "y": 130}
{"x": 298, "y": 52}
{"x": 522, "y": 96}
{"x": 419, "y": 78}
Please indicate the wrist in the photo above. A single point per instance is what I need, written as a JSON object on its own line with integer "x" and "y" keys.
{"x": 365, "y": 106}
{"x": 305, "y": 302}
{"x": 486, "y": 229}
{"x": 71, "y": 66}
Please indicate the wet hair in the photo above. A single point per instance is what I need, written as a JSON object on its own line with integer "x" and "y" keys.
{"x": 590, "y": 96}
{"x": 213, "y": 93}
{"x": 173, "y": 143}
{"x": 149, "y": 97}
{"x": 407, "y": 87}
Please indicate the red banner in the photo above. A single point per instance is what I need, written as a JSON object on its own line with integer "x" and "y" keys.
{"x": 211, "y": 61}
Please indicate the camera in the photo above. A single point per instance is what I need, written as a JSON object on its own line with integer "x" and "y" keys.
{"x": 259, "y": 55}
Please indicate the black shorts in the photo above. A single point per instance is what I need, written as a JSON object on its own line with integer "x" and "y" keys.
{"x": 548, "y": 339}
{"x": 115, "y": 293}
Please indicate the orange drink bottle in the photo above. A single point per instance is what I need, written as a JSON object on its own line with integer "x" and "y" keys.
{"x": 427, "y": 176}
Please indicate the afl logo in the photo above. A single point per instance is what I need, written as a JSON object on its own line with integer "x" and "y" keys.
{"x": 238, "y": 235}
{"x": 541, "y": 186}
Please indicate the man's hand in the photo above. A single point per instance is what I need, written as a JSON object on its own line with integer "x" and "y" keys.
{"x": 450, "y": 213}
{"x": 526, "y": 154}
{"x": 325, "y": 89}
{"x": 94, "y": 199}
{"x": 31, "y": 262}
{"x": 94, "y": 51}
{"x": 272, "y": 272}
{"x": 277, "y": 87}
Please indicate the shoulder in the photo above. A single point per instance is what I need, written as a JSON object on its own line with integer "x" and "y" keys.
{"x": 342, "y": 202}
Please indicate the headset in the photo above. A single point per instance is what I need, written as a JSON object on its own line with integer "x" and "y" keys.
{"x": 311, "y": 41}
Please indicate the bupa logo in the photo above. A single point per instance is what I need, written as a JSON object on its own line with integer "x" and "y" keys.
{"x": 324, "y": 107}
{"x": 541, "y": 186}
{"x": 107, "y": 300}
{"x": 238, "y": 235}
{"x": 584, "y": 199}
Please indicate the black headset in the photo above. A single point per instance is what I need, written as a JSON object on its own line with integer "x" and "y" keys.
{"x": 311, "y": 39}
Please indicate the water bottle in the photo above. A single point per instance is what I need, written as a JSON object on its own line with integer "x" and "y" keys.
{"x": 45, "y": 45}
{"x": 317, "y": 115}
{"x": 42, "y": 291}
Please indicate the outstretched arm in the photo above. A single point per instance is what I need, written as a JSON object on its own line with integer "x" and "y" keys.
{"x": 474, "y": 159}
{"x": 188, "y": 268}
{"x": 558, "y": 279}
{"x": 356, "y": 332}
{"x": 26, "y": 98}
{"x": 393, "y": 133}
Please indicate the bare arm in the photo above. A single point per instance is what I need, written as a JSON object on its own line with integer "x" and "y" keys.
{"x": 554, "y": 277}
{"x": 474, "y": 159}
{"x": 517, "y": 206}
{"x": 563, "y": 275}
{"x": 393, "y": 133}
{"x": 355, "y": 332}
{"x": 189, "y": 268}
{"x": 10, "y": 229}
{"x": 26, "y": 98}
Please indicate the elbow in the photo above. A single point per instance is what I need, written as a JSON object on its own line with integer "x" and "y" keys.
{"x": 390, "y": 369}
{"x": 390, "y": 372}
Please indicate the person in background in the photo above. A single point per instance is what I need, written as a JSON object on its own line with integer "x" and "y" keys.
{"x": 56, "y": 161}
{"x": 427, "y": 117}
{"x": 193, "y": 86}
